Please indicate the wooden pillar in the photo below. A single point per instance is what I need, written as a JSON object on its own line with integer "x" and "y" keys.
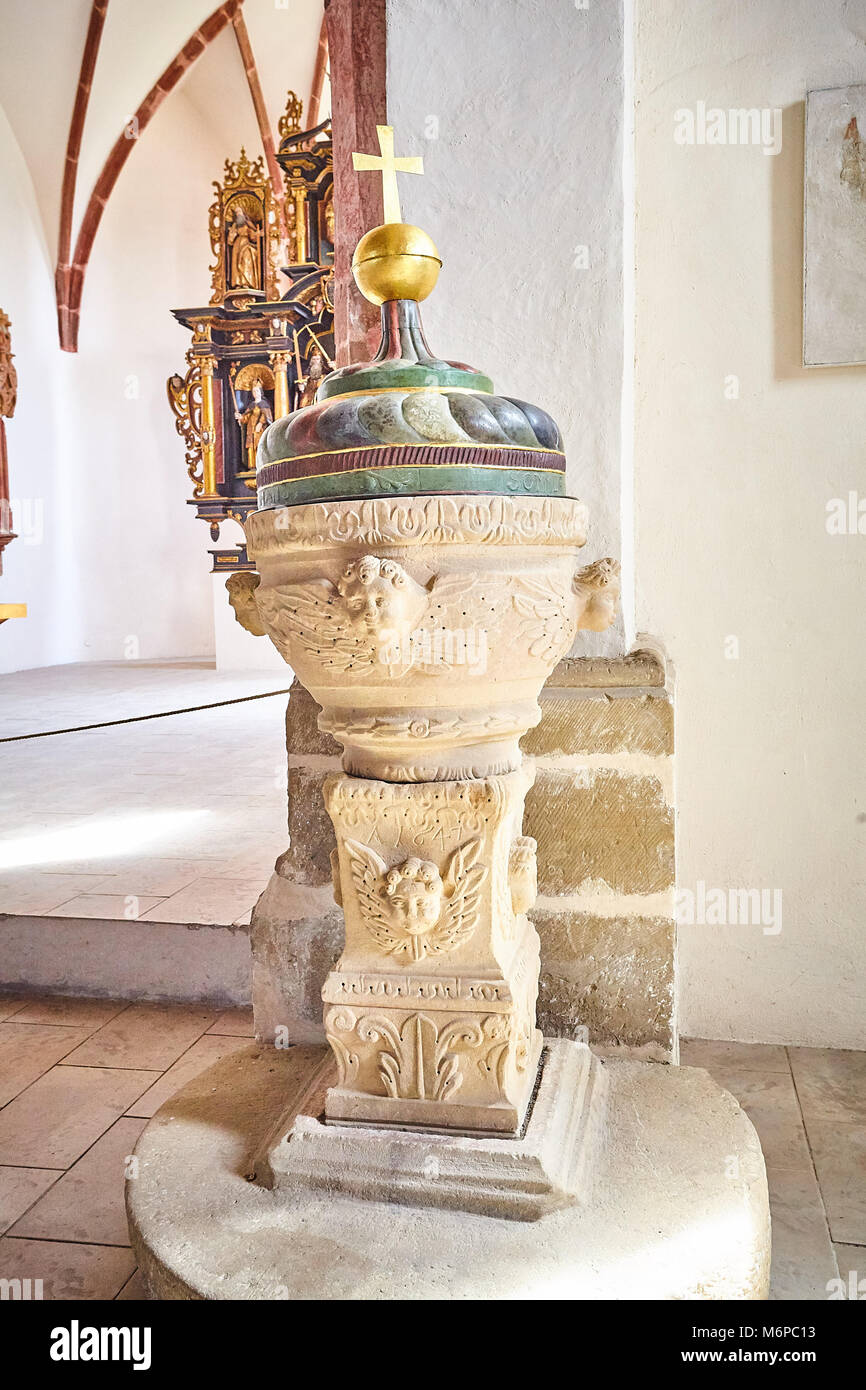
{"x": 356, "y": 43}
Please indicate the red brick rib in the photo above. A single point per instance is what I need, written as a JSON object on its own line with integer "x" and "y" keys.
{"x": 70, "y": 169}
{"x": 318, "y": 77}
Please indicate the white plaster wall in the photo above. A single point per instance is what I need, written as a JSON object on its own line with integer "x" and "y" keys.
{"x": 121, "y": 566}
{"x": 34, "y": 564}
{"x": 517, "y": 108}
{"x": 730, "y": 520}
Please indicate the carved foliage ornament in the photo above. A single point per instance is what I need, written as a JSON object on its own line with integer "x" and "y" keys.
{"x": 423, "y": 1058}
{"x": 411, "y": 908}
{"x": 438, "y": 821}
{"x": 184, "y": 397}
{"x": 425, "y": 521}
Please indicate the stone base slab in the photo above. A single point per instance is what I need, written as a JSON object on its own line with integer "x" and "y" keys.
{"x": 679, "y": 1206}
{"x": 549, "y": 1165}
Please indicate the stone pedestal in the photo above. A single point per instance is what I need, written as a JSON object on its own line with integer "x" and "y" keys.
{"x": 430, "y": 1010}
{"x": 678, "y": 1208}
{"x": 550, "y": 1164}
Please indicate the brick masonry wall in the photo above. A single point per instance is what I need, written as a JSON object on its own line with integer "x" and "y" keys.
{"x": 602, "y": 811}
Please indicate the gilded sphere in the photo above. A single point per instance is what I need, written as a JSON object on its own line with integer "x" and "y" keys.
{"x": 396, "y": 261}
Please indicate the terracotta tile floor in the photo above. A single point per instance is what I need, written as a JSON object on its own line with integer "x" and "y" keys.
{"x": 79, "y": 1079}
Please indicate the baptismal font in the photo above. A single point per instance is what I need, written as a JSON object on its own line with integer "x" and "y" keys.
{"x": 417, "y": 566}
{"x": 418, "y": 571}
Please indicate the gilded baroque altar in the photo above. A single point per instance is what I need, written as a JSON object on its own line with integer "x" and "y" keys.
{"x": 262, "y": 344}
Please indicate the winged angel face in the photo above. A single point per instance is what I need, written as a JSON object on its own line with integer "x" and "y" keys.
{"x": 413, "y": 895}
{"x": 377, "y": 614}
{"x": 348, "y": 626}
{"x": 379, "y": 595}
{"x": 411, "y": 908}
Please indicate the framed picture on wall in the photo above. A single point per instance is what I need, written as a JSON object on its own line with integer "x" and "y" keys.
{"x": 834, "y": 241}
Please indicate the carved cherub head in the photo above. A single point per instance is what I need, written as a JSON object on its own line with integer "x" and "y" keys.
{"x": 380, "y": 594}
{"x": 242, "y": 596}
{"x": 598, "y": 586}
{"x": 412, "y": 895}
{"x": 413, "y": 908}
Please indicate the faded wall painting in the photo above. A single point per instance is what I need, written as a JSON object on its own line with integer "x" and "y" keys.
{"x": 834, "y": 275}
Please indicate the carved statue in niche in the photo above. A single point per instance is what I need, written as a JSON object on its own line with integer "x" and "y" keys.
{"x": 244, "y": 234}
{"x": 244, "y": 237}
{"x": 254, "y": 420}
{"x": 329, "y": 219}
{"x": 314, "y": 379}
{"x": 253, "y": 391}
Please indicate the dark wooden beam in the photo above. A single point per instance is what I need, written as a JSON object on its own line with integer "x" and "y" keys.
{"x": 356, "y": 44}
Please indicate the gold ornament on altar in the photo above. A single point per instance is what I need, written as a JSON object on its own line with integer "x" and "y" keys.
{"x": 8, "y": 376}
{"x": 290, "y": 122}
{"x": 254, "y": 345}
{"x": 244, "y": 234}
{"x": 185, "y": 399}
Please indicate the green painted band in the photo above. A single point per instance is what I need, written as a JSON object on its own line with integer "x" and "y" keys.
{"x": 410, "y": 482}
{"x": 381, "y": 375}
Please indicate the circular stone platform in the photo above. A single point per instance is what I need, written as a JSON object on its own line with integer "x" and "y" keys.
{"x": 679, "y": 1209}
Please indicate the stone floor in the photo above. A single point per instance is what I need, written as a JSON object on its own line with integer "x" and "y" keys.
{"x": 79, "y": 1078}
{"x": 170, "y": 819}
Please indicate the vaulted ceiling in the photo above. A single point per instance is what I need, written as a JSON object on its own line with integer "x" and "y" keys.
{"x": 40, "y": 65}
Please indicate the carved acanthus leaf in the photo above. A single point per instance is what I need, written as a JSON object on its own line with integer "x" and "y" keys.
{"x": 312, "y": 615}
{"x": 550, "y": 610}
{"x": 184, "y": 397}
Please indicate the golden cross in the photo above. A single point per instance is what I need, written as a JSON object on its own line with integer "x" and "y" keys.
{"x": 390, "y": 168}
